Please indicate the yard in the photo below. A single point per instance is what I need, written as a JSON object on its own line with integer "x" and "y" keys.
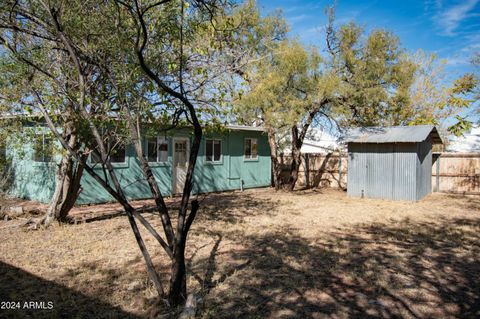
{"x": 262, "y": 254}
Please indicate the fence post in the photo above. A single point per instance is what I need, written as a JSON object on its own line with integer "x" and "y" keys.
{"x": 340, "y": 170}
{"x": 307, "y": 170}
{"x": 437, "y": 174}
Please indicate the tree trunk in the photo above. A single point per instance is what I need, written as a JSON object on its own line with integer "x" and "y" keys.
{"x": 297, "y": 142}
{"x": 276, "y": 167}
{"x": 178, "y": 280}
{"x": 178, "y": 284}
{"x": 152, "y": 183}
{"x": 298, "y": 136}
{"x": 294, "y": 168}
{"x": 67, "y": 188}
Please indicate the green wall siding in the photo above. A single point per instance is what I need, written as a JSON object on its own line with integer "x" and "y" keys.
{"x": 36, "y": 181}
{"x": 234, "y": 169}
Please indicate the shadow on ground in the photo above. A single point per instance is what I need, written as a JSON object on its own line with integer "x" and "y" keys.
{"x": 395, "y": 269}
{"x": 96, "y": 278}
{"x": 402, "y": 269}
{"x": 469, "y": 202}
{"x": 20, "y": 286}
{"x": 232, "y": 208}
{"x": 217, "y": 206}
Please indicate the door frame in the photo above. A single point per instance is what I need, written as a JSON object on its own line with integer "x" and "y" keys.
{"x": 174, "y": 168}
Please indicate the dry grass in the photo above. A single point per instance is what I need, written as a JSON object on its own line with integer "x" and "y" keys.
{"x": 261, "y": 254}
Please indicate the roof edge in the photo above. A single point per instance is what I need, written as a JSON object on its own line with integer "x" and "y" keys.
{"x": 245, "y": 128}
{"x": 393, "y": 134}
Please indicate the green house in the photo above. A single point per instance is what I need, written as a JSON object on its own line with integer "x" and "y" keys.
{"x": 236, "y": 158}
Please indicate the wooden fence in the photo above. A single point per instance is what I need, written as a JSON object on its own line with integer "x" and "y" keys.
{"x": 456, "y": 173}
{"x": 328, "y": 170}
{"x": 451, "y": 172}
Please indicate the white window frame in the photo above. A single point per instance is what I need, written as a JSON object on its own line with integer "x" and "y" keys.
{"x": 160, "y": 139}
{"x": 213, "y": 161}
{"x": 245, "y": 148}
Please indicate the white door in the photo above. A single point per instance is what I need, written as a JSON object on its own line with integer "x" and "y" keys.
{"x": 180, "y": 163}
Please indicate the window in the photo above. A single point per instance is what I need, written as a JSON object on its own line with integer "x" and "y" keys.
{"x": 213, "y": 150}
{"x": 42, "y": 149}
{"x": 251, "y": 150}
{"x": 116, "y": 151}
{"x": 156, "y": 150}
{"x": 117, "y": 155}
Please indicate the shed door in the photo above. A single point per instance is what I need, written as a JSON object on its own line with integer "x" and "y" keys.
{"x": 357, "y": 172}
{"x": 380, "y": 171}
{"x": 180, "y": 163}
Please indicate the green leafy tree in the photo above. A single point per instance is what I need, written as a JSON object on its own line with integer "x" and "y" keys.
{"x": 33, "y": 68}
{"x": 109, "y": 69}
{"x": 8, "y": 129}
{"x": 355, "y": 84}
{"x": 382, "y": 85}
{"x": 374, "y": 74}
{"x": 432, "y": 99}
{"x": 287, "y": 90}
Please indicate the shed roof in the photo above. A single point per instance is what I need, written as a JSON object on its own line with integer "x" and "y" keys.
{"x": 393, "y": 134}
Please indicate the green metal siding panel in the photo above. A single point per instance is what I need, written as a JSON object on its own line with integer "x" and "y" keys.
{"x": 210, "y": 177}
{"x": 31, "y": 180}
{"x": 253, "y": 173}
{"x": 36, "y": 180}
{"x": 130, "y": 177}
{"x": 234, "y": 169}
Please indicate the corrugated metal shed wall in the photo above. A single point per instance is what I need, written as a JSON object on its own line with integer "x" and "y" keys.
{"x": 379, "y": 169}
{"x": 400, "y": 171}
{"x": 357, "y": 163}
{"x": 424, "y": 168}
{"x": 405, "y": 173}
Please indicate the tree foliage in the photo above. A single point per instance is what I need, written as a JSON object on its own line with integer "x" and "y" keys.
{"x": 373, "y": 74}
{"x": 359, "y": 82}
{"x": 433, "y": 100}
{"x": 286, "y": 87}
{"x": 103, "y": 71}
{"x": 363, "y": 80}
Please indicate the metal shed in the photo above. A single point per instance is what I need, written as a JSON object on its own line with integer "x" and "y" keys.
{"x": 391, "y": 162}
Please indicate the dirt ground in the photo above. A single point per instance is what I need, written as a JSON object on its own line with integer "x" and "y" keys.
{"x": 262, "y": 254}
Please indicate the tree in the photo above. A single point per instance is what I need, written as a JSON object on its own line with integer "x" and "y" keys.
{"x": 375, "y": 75}
{"x": 8, "y": 129}
{"x": 476, "y": 71}
{"x": 433, "y": 99}
{"x": 385, "y": 86}
{"x": 355, "y": 84}
{"x": 382, "y": 85}
{"x": 288, "y": 87}
{"x": 124, "y": 65}
{"x": 32, "y": 67}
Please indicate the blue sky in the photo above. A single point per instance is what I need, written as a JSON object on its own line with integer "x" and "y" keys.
{"x": 451, "y": 29}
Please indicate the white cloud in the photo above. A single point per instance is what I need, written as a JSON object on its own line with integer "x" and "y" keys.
{"x": 307, "y": 7}
{"x": 297, "y": 18}
{"x": 456, "y": 61}
{"x": 463, "y": 56}
{"x": 347, "y": 17}
{"x": 450, "y": 18}
{"x": 429, "y": 5}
